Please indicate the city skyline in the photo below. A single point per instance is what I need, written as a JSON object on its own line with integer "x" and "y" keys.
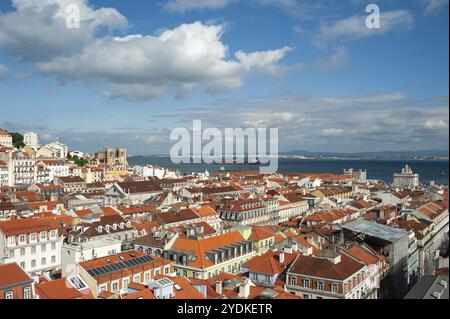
{"x": 311, "y": 69}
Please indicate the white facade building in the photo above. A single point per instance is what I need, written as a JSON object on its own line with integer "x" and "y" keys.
{"x": 406, "y": 179}
{"x": 21, "y": 167}
{"x": 59, "y": 149}
{"x": 73, "y": 254}
{"x": 150, "y": 171}
{"x": 5, "y": 138}
{"x": 55, "y": 168}
{"x": 31, "y": 139}
{"x": 34, "y": 244}
{"x": 4, "y": 174}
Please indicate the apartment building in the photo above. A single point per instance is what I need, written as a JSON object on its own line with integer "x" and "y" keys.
{"x": 116, "y": 273}
{"x": 246, "y": 212}
{"x": 71, "y": 184}
{"x": 21, "y": 167}
{"x": 94, "y": 227}
{"x": 74, "y": 253}
{"x": 31, "y": 139}
{"x": 204, "y": 258}
{"x": 328, "y": 275}
{"x": 4, "y": 174}
{"x": 34, "y": 244}
{"x": 15, "y": 283}
{"x": 5, "y": 138}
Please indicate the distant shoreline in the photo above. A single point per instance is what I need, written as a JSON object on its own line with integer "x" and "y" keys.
{"x": 291, "y": 157}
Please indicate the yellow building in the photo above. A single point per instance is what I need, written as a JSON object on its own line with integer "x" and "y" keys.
{"x": 207, "y": 257}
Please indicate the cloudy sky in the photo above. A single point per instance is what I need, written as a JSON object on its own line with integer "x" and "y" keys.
{"x": 136, "y": 69}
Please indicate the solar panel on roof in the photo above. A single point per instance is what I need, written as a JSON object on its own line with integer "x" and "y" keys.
{"x": 109, "y": 268}
{"x": 133, "y": 262}
{"x": 128, "y": 263}
{"x": 104, "y": 270}
{"x": 95, "y": 272}
{"x": 116, "y": 267}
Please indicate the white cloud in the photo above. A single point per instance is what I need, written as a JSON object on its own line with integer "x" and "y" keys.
{"x": 141, "y": 67}
{"x": 337, "y": 59}
{"x": 332, "y": 132}
{"x": 354, "y": 27}
{"x": 436, "y": 125}
{"x": 434, "y": 6}
{"x": 3, "y": 70}
{"x": 262, "y": 61}
{"x": 352, "y": 123}
{"x": 37, "y": 31}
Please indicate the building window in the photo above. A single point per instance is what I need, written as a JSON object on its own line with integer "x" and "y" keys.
{"x": 43, "y": 248}
{"x": 27, "y": 293}
{"x": 102, "y": 288}
{"x": 21, "y": 238}
{"x": 22, "y": 265}
{"x": 43, "y": 261}
{"x": 33, "y": 237}
{"x": 147, "y": 277}
{"x": 43, "y": 235}
{"x": 320, "y": 285}
{"x": 306, "y": 283}
{"x": 166, "y": 270}
{"x": 12, "y": 240}
{"x": 137, "y": 278}
{"x": 33, "y": 249}
{"x": 33, "y": 263}
{"x": 53, "y": 246}
{"x": 115, "y": 286}
{"x": 9, "y": 295}
{"x": 22, "y": 251}
{"x": 53, "y": 259}
{"x": 334, "y": 288}
{"x": 11, "y": 253}
{"x": 125, "y": 284}
{"x": 293, "y": 281}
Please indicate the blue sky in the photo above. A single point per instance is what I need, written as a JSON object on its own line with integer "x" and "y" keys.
{"x": 137, "y": 69}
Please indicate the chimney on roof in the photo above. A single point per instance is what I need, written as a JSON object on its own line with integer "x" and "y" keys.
{"x": 244, "y": 289}
{"x": 281, "y": 257}
{"x": 219, "y": 287}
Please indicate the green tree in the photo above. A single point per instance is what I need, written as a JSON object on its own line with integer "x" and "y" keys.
{"x": 80, "y": 162}
{"x": 17, "y": 140}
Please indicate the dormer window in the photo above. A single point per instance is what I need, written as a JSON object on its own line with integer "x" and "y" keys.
{"x": 21, "y": 238}
{"x": 107, "y": 228}
{"x": 115, "y": 226}
{"x": 43, "y": 235}
{"x": 122, "y": 225}
{"x": 99, "y": 229}
{"x": 128, "y": 224}
{"x": 33, "y": 237}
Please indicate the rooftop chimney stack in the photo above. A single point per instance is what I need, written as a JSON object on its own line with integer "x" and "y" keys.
{"x": 281, "y": 257}
{"x": 219, "y": 287}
